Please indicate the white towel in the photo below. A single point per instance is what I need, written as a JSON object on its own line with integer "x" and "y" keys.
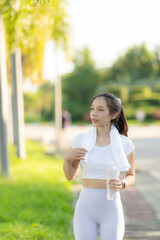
{"x": 120, "y": 159}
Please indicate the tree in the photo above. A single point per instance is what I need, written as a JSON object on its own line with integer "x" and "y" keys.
{"x": 28, "y": 26}
{"x": 80, "y": 85}
{"x": 39, "y": 105}
{"x": 156, "y": 62}
{"x": 136, "y": 63}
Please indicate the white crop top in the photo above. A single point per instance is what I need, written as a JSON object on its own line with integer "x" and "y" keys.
{"x": 99, "y": 157}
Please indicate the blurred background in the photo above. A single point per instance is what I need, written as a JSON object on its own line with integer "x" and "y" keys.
{"x": 54, "y": 56}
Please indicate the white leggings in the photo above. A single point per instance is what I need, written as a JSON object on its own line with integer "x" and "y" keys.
{"x": 93, "y": 210}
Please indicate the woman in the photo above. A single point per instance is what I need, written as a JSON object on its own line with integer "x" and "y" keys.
{"x": 106, "y": 142}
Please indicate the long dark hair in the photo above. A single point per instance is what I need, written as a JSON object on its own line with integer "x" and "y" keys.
{"x": 114, "y": 105}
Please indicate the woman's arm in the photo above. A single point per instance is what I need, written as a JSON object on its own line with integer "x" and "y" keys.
{"x": 71, "y": 162}
{"x": 116, "y": 184}
{"x": 130, "y": 175}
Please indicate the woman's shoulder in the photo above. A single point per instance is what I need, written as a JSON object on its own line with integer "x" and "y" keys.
{"x": 127, "y": 144}
{"x": 124, "y": 138}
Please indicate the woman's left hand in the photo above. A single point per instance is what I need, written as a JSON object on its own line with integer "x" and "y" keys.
{"x": 115, "y": 184}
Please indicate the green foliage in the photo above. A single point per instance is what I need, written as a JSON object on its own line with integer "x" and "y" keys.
{"x": 80, "y": 85}
{"x": 146, "y": 107}
{"x": 83, "y": 57}
{"x": 29, "y": 24}
{"x": 137, "y": 63}
{"x": 156, "y": 88}
{"x": 40, "y": 105}
{"x": 118, "y": 90}
{"x": 132, "y": 78}
{"x": 84, "y": 82}
{"x": 36, "y": 203}
{"x": 141, "y": 92}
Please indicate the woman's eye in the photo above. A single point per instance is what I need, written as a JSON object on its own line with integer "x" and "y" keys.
{"x": 100, "y": 109}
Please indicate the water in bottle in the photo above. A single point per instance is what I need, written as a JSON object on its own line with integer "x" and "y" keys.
{"x": 112, "y": 173}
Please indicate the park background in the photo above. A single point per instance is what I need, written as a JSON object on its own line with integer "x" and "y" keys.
{"x": 37, "y": 202}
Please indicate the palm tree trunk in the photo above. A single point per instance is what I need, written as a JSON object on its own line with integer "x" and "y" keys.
{"x": 58, "y": 112}
{"x": 5, "y": 169}
{"x": 17, "y": 104}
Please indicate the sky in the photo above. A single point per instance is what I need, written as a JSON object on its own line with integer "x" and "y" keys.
{"x": 108, "y": 28}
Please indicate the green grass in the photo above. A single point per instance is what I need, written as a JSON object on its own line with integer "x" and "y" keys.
{"x": 36, "y": 202}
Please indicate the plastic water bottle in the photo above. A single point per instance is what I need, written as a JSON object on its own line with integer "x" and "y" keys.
{"x": 112, "y": 173}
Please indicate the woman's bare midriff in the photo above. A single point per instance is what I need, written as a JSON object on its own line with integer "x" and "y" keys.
{"x": 94, "y": 183}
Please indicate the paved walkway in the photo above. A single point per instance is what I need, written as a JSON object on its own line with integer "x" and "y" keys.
{"x": 141, "y": 218}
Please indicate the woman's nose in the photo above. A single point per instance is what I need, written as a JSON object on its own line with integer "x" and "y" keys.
{"x": 94, "y": 113}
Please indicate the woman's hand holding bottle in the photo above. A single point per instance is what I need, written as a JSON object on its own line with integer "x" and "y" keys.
{"x": 115, "y": 184}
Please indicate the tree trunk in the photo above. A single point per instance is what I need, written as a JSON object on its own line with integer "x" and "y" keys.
{"x": 17, "y": 104}
{"x": 5, "y": 170}
{"x": 58, "y": 112}
{"x": 14, "y": 105}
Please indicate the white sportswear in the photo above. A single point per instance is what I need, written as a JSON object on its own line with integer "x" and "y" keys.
{"x": 99, "y": 157}
{"x": 93, "y": 211}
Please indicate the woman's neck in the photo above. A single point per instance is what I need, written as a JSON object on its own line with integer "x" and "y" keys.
{"x": 103, "y": 136}
{"x": 103, "y": 132}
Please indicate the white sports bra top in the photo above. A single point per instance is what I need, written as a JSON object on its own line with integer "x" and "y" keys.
{"x": 99, "y": 158}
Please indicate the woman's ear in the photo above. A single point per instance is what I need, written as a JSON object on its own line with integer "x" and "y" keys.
{"x": 114, "y": 115}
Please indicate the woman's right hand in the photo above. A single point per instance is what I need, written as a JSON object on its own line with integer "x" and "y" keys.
{"x": 76, "y": 154}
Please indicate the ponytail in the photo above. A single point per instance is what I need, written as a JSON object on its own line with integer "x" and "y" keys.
{"x": 121, "y": 123}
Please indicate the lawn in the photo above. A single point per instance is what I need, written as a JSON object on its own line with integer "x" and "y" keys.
{"x": 36, "y": 203}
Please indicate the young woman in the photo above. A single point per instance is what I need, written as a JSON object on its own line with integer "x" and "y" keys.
{"x": 106, "y": 142}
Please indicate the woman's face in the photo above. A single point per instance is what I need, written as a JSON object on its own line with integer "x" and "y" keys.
{"x": 100, "y": 114}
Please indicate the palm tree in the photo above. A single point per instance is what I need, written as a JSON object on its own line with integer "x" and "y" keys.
{"x": 28, "y": 25}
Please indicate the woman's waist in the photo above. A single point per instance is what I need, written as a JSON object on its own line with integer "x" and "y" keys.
{"x": 94, "y": 183}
